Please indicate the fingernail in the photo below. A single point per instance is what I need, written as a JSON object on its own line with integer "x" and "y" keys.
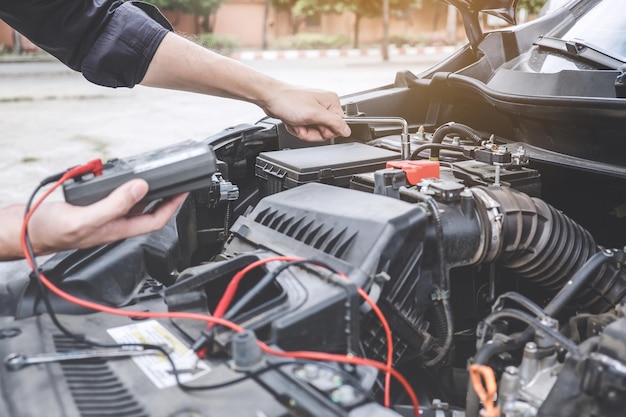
{"x": 346, "y": 130}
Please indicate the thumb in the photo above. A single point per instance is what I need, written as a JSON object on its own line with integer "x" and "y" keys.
{"x": 138, "y": 189}
{"x": 118, "y": 203}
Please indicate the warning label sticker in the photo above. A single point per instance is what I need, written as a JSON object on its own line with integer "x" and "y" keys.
{"x": 157, "y": 367}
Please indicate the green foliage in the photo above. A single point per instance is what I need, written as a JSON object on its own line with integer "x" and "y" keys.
{"x": 533, "y": 6}
{"x": 196, "y": 7}
{"x": 369, "y": 8}
{"x": 223, "y": 44}
{"x": 311, "y": 41}
{"x": 426, "y": 38}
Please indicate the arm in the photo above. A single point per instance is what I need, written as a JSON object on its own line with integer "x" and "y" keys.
{"x": 60, "y": 226}
{"x": 182, "y": 65}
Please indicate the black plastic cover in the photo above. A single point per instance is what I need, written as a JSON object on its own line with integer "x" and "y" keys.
{"x": 372, "y": 232}
{"x": 333, "y": 164}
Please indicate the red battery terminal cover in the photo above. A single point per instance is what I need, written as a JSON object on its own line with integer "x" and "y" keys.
{"x": 416, "y": 171}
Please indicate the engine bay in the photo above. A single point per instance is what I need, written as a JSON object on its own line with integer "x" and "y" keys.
{"x": 461, "y": 254}
{"x": 484, "y": 286}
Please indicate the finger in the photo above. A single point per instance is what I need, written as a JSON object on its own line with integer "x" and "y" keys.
{"x": 326, "y": 133}
{"x": 309, "y": 134}
{"x": 116, "y": 204}
{"x": 305, "y": 133}
{"x": 290, "y": 130}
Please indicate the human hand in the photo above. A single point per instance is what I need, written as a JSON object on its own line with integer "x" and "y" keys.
{"x": 312, "y": 115}
{"x": 60, "y": 226}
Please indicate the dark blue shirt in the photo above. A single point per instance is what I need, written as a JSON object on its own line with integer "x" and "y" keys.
{"x": 110, "y": 41}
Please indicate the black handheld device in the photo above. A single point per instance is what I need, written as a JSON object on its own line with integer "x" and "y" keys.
{"x": 171, "y": 170}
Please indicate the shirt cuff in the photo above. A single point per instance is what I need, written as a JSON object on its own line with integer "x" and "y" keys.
{"x": 122, "y": 53}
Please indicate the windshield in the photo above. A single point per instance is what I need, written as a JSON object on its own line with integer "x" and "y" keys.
{"x": 603, "y": 26}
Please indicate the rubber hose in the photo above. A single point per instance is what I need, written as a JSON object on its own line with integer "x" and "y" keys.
{"x": 464, "y": 131}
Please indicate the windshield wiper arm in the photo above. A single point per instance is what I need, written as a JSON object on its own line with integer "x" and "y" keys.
{"x": 581, "y": 50}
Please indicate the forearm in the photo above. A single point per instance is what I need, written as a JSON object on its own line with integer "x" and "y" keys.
{"x": 11, "y": 218}
{"x": 180, "y": 64}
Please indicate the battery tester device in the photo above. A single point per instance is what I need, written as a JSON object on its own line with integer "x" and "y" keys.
{"x": 171, "y": 170}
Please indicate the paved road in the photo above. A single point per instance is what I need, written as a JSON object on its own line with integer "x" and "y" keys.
{"x": 51, "y": 118}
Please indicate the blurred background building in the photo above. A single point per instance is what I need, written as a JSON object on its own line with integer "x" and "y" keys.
{"x": 304, "y": 24}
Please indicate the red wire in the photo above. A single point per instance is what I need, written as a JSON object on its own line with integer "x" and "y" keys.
{"x": 385, "y": 323}
{"x": 229, "y": 294}
{"x": 222, "y": 305}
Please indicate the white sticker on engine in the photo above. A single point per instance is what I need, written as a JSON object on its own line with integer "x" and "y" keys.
{"x": 157, "y": 367}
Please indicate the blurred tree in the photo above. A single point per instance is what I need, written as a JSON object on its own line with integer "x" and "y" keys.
{"x": 533, "y": 6}
{"x": 372, "y": 9}
{"x": 18, "y": 48}
{"x": 300, "y": 10}
{"x": 204, "y": 9}
{"x": 289, "y": 6}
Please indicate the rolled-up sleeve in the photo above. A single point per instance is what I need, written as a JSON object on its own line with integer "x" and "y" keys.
{"x": 111, "y": 42}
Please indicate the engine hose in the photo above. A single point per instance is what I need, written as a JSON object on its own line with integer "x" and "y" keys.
{"x": 540, "y": 244}
{"x": 442, "y": 131}
{"x": 433, "y": 146}
{"x": 575, "y": 284}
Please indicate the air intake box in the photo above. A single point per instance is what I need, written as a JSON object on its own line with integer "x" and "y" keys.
{"x": 372, "y": 232}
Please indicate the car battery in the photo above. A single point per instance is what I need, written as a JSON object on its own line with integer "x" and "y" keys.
{"x": 332, "y": 164}
{"x": 470, "y": 173}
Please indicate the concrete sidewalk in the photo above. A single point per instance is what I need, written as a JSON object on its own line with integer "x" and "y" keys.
{"x": 417, "y": 51}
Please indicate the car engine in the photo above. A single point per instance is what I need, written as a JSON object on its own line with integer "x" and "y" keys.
{"x": 471, "y": 268}
{"x": 468, "y": 240}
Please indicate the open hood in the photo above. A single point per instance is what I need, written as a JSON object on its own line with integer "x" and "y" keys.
{"x": 504, "y": 9}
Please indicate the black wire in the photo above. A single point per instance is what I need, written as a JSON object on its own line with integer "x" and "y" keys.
{"x": 518, "y": 298}
{"x": 437, "y": 146}
{"x": 35, "y": 273}
{"x": 254, "y": 374}
{"x": 508, "y": 313}
{"x": 443, "y": 285}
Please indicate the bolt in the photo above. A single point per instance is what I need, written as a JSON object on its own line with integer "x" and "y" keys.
{"x": 511, "y": 370}
{"x": 531, "y": 347}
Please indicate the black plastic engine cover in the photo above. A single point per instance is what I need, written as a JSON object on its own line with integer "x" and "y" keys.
{"x": 343, "y": 227}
